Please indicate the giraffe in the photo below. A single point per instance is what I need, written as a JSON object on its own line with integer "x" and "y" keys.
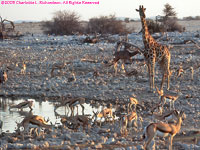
{"x": 154, "y": 52}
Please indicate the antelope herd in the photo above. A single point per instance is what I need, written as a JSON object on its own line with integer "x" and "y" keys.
{"x": 168, "y": 123}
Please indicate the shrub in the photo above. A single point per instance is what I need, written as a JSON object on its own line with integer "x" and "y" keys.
{"x": 63, "y": 23}
{"x": 170, "y": 20}
{"x": 127, "y": 20}
{"x": 155, "y": 26}
{"x": 106, "y": 25}
{"x": 172, "y": 25}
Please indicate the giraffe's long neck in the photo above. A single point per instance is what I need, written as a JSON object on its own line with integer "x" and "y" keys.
{"x": 147, "y": 38}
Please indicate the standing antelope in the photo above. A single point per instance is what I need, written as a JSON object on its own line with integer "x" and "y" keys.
{"x": 167, "y": 98}
{"x": 3, "y": 76}
{"x": 23, "y": 70}
{"x": 74, "y": 103}
{"x": 32, "y": 122}
{"x": 71, "y": 103}
{"x": 162, "y": 130}
{"x": 123, "y": 55}
{"x": 105, "y": 113}
{"x": 127, "y": 121}
{"x": 132, "y": 101}
{"x": 180, "y": 72}
{"x": 23, "y": 105}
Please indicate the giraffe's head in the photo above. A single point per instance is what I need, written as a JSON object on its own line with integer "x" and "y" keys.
{"x": 141, "y": 11}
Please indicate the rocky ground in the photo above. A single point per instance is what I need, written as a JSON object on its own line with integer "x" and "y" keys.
{"x": 81, "y": 70}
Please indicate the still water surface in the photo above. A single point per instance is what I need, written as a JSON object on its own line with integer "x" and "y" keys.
{"x": 45, "y": 109}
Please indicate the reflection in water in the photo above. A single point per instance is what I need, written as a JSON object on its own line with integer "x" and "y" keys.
{"x": 45, "y": 109}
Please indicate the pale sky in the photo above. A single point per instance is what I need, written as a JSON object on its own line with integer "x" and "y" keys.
{"x": 121, "y": 8}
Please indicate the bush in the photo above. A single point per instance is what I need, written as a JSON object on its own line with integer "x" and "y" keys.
{"x": 172, "y": 25}
{"x": 63, "y": 23}
{"x": 191, "y": 18}
{"x": 155, "y": 27}
{"x": 106, "y": 25}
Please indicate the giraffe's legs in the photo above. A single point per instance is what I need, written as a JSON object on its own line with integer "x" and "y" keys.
{"x": 149, "y": 71}
{"x": 164, "y": 64}
{"x": 163, "y": 80}
{"x": 168, "y": 80}
{"x": 169, "y": 73}
{"x": 152, "y": 74}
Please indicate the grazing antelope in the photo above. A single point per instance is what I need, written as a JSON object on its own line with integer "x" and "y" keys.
{"x": 127, "y": 121}
{"x": 23, "y": 105}
{"x": 63, "y": 102}
{"x": 32, "y": 122}
{"x": 105, "y": 113}
{"x": 71, "y": 103}
{"x": 76, "y": 121}
{"x": 167, "y": 98}
{"x": 123, "y": 55}
{"x": 75, "y": 102}
{"x": 162, "y": 130}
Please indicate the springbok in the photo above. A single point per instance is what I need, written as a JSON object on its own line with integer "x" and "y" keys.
{"x": 162, "y": 130}
{"x": 3, "y": 76}
{"x": 32, "y": 122}
{"x": 124, "y": 55}
{"x": 23, "y": 105}
{"x": 71, "y": 103}
{"x": 127, "y": 121}
{"x": 76, "y": 121}
{"x": 132, "y": 101}
{"x": 23, "y": 70}
{"x": 167, "y": 98}
{"x": 106, "y": 113}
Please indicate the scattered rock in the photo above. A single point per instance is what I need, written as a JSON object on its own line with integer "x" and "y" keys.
{"x": 98, "y": 146}
{"x": 78, "y": 136}
{"x": 44, "y": 145}
{"x": 120, "y": 148}
{"x": 140, "y": 147}
{"x": 110, "y": 141}
{"x": 131, "y": 148}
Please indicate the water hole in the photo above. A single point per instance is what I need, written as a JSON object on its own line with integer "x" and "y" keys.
{"x": 44, "y": 109}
